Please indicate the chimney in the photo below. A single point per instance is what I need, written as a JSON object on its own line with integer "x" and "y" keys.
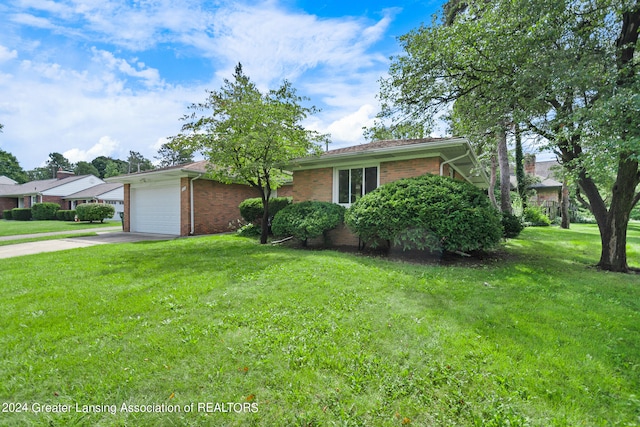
{"x": 530, "y": 164}
{"x": 63, "y": 174}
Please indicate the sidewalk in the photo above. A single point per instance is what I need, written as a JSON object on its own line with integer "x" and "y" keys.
{"x": 61, "y": 233}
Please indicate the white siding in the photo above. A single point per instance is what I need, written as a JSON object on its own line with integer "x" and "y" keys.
{"x": 74, "y": 186}
{"x": 156, "y": 208}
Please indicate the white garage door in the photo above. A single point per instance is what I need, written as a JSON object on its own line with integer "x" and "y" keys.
{"x": 156, "y": 209}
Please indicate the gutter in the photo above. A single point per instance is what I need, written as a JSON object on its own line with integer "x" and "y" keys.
{"x": 191, "y": 205}
{"x": 453, "y": 160}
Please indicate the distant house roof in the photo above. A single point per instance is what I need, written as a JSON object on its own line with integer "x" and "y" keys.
{"x": 35, "y": 187}
{"x": 456, "y": 151}
{"x": 95, "y": 191}
{"x": 5, "y": 180}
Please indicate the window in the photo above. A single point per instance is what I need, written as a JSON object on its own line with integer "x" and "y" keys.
{"x": 355, "y": 182}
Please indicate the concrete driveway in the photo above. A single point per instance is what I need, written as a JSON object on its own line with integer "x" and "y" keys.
{"x": 103, "y": 237}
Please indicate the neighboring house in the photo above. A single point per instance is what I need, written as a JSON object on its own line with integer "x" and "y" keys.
{"x": 180, "y": 200}
{"x": 343, "y": 175}
{"x": 48, "y": 190}
{"x": 109, "y": 193}
{"x": 548, "y": 191}
{"x": 5, "y": 180}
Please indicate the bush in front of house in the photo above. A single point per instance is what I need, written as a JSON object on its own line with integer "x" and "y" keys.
{"x": 534, "y": 216}
{"x": 94, "y": 212}
{"x": 66, "y": 215}
{"x": 6, "y": 214}
{"x": 252, "y": 209}
{"x": 427, "y": 212}
{"x": 44, "y": 211}
{"x": 307, "y": 220}
{"x": 21, "y": 214}
{"x": 511, "y": 225}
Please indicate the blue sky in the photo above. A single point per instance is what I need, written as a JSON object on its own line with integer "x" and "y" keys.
{"x": 101, "y": 77}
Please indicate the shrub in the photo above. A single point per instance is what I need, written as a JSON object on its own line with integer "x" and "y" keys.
{"x": 427, "y": 212}
{"x": 307, "y": 220}
{"x": 21, "y": 214}
{"x": 249, "y": 230}
{"x": 44, "y": 211}
{"x": 65, "y": 215}
{"x": 6, "y": 214}
{"x": 535, "y": 217}
{"x": 252, "y": 210}
{"x": 94, "y": 212}
{"x": 511, "y": 225}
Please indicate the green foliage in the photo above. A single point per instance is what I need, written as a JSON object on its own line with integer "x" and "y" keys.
{"x": 65, "y": 215}
{"x": 94, "y": 212}
{"x": 511, "y": 225}
{"x": 534, "y": 216}
{"x": 6, "y": 214}
{"x": 248, "y": 230}
{"x": 10, "y": 167}
{"x": 86, "y": 168}
{"x": 252, "y": 209}
{"x": 635, "y": 213}
{"x": 21, "y": 214}
{"x": 171, "y": 154}
{"x": 307, "y": 220}
{"x": 582, "y": 216}
{"x": 427, "y": 212}
{"x": 44, "y": 211}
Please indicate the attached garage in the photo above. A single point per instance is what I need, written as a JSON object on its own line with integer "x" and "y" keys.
{"x": 155, "y": 208}
{"x": 180, "y": 201}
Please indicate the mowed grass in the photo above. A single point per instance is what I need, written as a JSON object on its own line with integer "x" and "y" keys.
{"x": 14, "y": 228}
{"x": 320, "y": 338}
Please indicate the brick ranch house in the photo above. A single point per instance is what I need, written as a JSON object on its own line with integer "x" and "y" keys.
{"x": 343, "y": 175}
{"x": 181, "y": 201}
{"x": 49, "y": 190}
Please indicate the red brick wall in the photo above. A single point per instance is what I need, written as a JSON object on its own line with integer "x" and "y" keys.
{"x": 185, "y": 206}
{"x": 392, "y": 171}
{"x": 127, "y": 208}
{"x": 314, "y": 184}
{"x": 285, "y": 191}
{"x": 216, "y": 205}
{"x": 7, "y": 203}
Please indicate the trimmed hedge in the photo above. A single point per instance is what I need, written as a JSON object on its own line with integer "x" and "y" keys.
{"x": 21, "y": 214}
{"x": 66, "y": 215}
{"x": 427, "y": 212}
{"x": 307, "y": 220}
{"x": 252, "y": 209}
{"x": 94, "y": 212}
{"x": 7, "y": 214}
{"x": 44, "y": 211}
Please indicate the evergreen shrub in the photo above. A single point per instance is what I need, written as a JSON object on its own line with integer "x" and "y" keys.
{"x": 21, "y": 214}
{"x": 94, "y": 212}
{"x": 44, "y": 211}
{"x": 307, "y": 220}
{"x": 6, "y": 214}
{"x": 427, "y": 212}
{"x": 252, "y": 209}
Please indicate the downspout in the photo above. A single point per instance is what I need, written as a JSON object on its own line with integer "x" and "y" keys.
{"x": 452, "y": 160}
{"x": 193, "y": 215}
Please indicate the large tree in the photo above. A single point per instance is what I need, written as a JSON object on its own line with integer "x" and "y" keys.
{"x": 249, "y": 136}
{"x": 138, "y": 163}
{"x": 171, "y": 155}
{"x": 563, "y": 70}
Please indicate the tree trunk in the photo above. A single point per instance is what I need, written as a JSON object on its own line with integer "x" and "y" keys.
{"x": 565, "y": 205}
{"x": 503, "y": 161}
{"x": 613, "y": 222}
{"x": 522, "y": 188}
{"x": 492, "y": 180}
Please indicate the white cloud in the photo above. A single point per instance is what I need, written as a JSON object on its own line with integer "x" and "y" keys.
{"x": 106, "y": 146}
{"x": 150, "y": 76}
{"x": 349, "y": 127}
{"x": 6, "y": 54}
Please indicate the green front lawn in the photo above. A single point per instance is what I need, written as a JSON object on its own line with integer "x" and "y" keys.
{"x": 14, "y": 228}
{"x": 320, "y": 338}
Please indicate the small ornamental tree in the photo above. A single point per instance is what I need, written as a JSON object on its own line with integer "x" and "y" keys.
{"x": 94, "y": 212}
{"x": 44, "y": 211}
{"x": 249, "y": 136}
{"x": 428, "y": 212}
{"x": 307, "y": 220}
